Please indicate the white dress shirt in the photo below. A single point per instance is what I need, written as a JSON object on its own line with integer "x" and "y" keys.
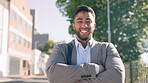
{"x": 84, "y": 54}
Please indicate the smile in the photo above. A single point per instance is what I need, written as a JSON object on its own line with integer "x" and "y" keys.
{"x": 84, "y": 30}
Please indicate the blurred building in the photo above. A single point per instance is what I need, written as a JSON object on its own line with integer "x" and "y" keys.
{"x": 19, "y": 40}
{"x": 15, "y": 38}
{"x": 4, "y": 20}
{"x": 38, "y": 38}
{"x": 40, "y": 60}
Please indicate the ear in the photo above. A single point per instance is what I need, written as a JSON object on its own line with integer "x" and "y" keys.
{"x": 73, "y": 25}
{"x": 95, "y": 24}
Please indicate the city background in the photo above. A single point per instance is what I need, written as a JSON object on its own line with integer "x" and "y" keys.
{"x": 30, "y": 28}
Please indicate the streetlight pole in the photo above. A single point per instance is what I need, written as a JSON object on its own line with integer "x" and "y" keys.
{"x": 108, "y": 15}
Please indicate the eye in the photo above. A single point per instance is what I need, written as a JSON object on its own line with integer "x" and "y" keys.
{"x": 89, "y": 21}
{"x": 79, "y": 21}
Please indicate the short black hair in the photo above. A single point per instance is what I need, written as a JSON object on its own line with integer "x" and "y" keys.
{"x": 83, "y": 8}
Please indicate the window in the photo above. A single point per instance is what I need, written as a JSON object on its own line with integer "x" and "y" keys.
{"x": 24, "y": 63}
{"x": 13, "y": 37}
{"x": 28, "y": 44}
{"x": 13, "y": 15}
{"x": 1, "y": 16}
{"x": 25, "y": 25}
{"x": 0, "y": 40}
{"x": 24, "y": 43}
{"x": 1, "y": 28}
{"x": 28, "y": 28}
{"x": 18, "y": 39}
{"x": 19, "y": 20}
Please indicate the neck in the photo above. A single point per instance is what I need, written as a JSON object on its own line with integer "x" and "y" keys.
{"x": 83, "y": 42}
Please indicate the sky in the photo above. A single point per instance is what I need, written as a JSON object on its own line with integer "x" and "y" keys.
{"x": 144, "y": 57}
{"x": 50, "y": 20}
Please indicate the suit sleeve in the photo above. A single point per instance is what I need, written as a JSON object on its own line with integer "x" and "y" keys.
{"x": 58, "y": 71}
{"x": 115, "y": 71}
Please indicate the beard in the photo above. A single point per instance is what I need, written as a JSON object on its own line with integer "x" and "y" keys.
{"x": 81, "y": 37}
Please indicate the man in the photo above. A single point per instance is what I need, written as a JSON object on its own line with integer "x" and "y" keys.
{"x": 90, "y": 61}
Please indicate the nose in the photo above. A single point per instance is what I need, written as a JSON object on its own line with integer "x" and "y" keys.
{"x": 84, "y": 25}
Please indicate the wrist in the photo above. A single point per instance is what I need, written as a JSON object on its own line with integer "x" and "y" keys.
{"x": 101, "y": 68}
{"x": 97, "y": 68}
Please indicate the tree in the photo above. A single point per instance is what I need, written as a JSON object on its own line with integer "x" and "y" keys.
{"x": 47, "y": 47}
{"x": 129, "y": 26}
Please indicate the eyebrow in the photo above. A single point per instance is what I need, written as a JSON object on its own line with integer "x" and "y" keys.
{"x": 79, "y": 19}
{"x": 82, "y": 19}
{"x": 88, "y": 19}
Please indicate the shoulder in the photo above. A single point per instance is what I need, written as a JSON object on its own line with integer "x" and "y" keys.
{"x": 61, "y": 45}
{"x": 105, "y": 45}
{"x": 108, "y": 47}
{"x": 102, "y": 43}
{"x": 64, "y": 45}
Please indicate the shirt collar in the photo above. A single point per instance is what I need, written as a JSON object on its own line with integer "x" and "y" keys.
{"x": 90, "y": 42}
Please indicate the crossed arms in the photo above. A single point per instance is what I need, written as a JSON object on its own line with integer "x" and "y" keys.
{"x": 59, "y": 72}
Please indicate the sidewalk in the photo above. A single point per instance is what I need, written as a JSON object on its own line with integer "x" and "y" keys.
{"x": 10, "y": 78}
{"x": 3, "y": 79}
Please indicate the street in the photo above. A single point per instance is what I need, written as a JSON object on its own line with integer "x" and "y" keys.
{"x": 29, "y": 79}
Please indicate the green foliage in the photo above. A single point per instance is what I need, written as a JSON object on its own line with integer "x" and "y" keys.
{"x": 47, "y": 47}
{"x": 129, "y": 27}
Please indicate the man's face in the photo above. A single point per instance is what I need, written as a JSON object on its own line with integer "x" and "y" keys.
{"x": 84, "y": 24}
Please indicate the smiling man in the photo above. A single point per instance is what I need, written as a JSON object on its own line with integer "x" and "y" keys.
{"x": 85, "y": 60}
{"x": 84, "y": 24}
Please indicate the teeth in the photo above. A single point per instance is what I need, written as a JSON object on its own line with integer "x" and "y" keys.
{"x": 84, "y": 31}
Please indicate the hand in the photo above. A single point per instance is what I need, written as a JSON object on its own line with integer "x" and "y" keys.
{"x": 76, "y": 82}
{"x": 101, "y": 68}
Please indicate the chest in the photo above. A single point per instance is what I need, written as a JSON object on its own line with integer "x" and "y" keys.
{"x": 83, "y": 55}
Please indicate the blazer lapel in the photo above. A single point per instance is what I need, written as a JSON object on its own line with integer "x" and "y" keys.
{"x": 94, "y": 52}
{"x": 74, "y": 57}
{"x": 74, "y": 54}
